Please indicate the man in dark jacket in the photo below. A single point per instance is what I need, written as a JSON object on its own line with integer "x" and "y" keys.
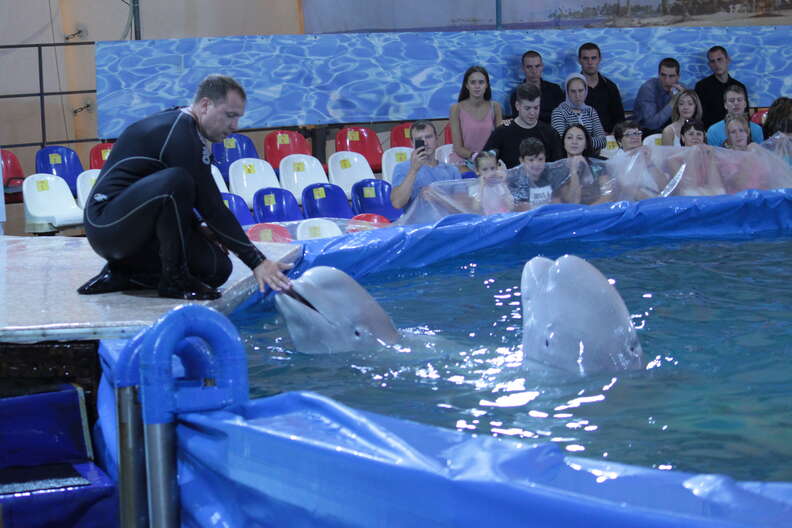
{"x": 603, "y": 94}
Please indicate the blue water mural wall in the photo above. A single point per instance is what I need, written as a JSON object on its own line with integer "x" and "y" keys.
{"x": 368, "y": 77}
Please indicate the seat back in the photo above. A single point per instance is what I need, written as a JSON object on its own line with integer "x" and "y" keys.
{"x": 325, "y": 200}
{"x": 443, "y": 152}
{"x": 759, "y": 116}
{"x": 363, "y": 141}
{"x": 297, "y": 171}
{"x": 611, "y": 147}
{"x": 99, "y": 154}
{"x": 447, "y": 137}
{"x": 366, "y": 222}
{"x": 218, "y": 179}
{"x": 238, "y": 207}
{"x": 373, "y": 196}
{"x": 347, "y": 168}
{"x": 85, "y": 182}
{"x": 280, "y": 143}
{"x": 400, "y": 135}
{"x": 12, "y": 176}
{"x": 49, "y": 204}
{"x": 274, "y": 204}
{"x": 269, "y": 233}
{"x": 248, "y": 175}
{"x": 317, "y": 228}
{"x": 653, "y": 140}
{"x": 232, "y": 148}
{"x": 61, "y": 161}
{"x": 392, "y": 157}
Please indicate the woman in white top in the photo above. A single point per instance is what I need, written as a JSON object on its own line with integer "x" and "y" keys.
{"x": 686, "y": 107}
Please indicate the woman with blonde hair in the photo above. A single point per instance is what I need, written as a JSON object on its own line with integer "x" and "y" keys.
{"x": 685, "y": 107}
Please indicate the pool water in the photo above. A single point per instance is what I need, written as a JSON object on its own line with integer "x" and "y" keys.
{"x": 713, "y": 319}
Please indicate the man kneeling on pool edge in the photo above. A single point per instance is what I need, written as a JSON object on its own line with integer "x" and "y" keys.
{"x": 139, "y": 215}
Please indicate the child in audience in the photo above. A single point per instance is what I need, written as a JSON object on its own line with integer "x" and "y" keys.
{"x": 474, "y": 116}
{"x": 693, "y": 133}
{"x": 491, "y": 195}
{"x": 686, "y": 107}
{"x": 531, "y": 183}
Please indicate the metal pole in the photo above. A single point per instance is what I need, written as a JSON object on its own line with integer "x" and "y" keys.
{"x": 161, "y": 469}
{"x": 132, "y": 460}
{"x": 498, "y": 15}
{"x": 41, "y": 98}
{"x": 136, "y": 18}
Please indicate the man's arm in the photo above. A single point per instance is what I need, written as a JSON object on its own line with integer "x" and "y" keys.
{"x": 649, "y": 116}
{"x": 615, "y": 105}
{"x": 403, "y": 184}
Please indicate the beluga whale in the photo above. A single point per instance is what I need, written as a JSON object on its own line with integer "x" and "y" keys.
{"x": 327, "y": 311}
{"x": 574, "y": 319}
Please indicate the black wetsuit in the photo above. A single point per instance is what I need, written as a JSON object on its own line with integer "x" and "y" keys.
{"x": 140, "y": 212}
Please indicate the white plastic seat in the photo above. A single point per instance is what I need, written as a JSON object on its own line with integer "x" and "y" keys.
{"x": 611, "y": 147}
{"x": 443, "y": 152}
{"x": 653, "y": 140}
{"x": 49, "y": 204}
{"x": 347, "y": 168}
{"x": 317, "y": 228}
{"x": 392, "y": 157}
{"x": 248, "y": 175}
{"x": 219, "y": 181}
{"x": 298, "y": 171}
{"x": 85, "y": 182}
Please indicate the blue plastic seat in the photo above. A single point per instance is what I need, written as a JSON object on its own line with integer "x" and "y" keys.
{"x": 273, "y": 204}
{"x": 373, "y": 196}
{"x": 238, "y": 206}
{"x": 325, "y": 200}
{"x": 232, "y": 148}
{"x": 60, "y": 161}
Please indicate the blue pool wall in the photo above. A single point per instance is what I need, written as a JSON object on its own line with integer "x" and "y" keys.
{"x": 372, "y": 77}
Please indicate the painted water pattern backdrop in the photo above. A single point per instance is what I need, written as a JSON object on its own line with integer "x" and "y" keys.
{"x": 352, "y": 78}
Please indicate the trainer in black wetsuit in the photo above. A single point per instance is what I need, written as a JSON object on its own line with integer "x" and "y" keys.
{"x": 140, "y": 218}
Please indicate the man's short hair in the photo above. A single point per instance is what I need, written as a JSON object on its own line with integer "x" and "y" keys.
{"x": 713, "y": 49}
{"x": 530, "y": 53}
{"x": 669, "y": 62}
{"x": 620, "y": 128}
{"x": 527, "y": 92}
{"x": 589, "y": 46}
{"x": 422, "y": 124}
{"x": 734, "y": 88}
{"x": 531, "y": 146}
{"x": 216, "y": 88}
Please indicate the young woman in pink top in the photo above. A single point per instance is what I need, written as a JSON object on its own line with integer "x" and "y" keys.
{"x": 474, "y": 117}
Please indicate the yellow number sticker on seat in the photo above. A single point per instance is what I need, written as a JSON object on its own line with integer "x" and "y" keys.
{"x": 407, "y": 133}
{"x": 658, "y": 141}
{"x": 265, "y": 235}
{"x": 229, "y": 143}
{"x": 269, "y": 199}
{"x": 315, "y": 231}
{"x": 319, "y": 193}
{"x": 93, "y": 181}
{"x": 612, "y": 145}
{"x": 42, "y": 185}
{"x": 369, "y": 192}
{"x": 353, "y": 135}
{"x": 226, "y": 204}
{"x": 284, "y": 139}
{"x": 299, "y": 166}
{"x": 249, "y": 168}
{"x": 105, "y": 154}
{"x": 55, "y": 158}
{"x": 346, "y": 164}
{"x": 401, "y": 156}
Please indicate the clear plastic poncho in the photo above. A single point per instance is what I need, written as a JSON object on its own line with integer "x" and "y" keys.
{"x": 780, "y": 144}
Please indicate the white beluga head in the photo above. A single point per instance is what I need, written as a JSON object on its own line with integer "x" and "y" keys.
{"x": 327, "y": 311}
{"x": 574, "y": 319}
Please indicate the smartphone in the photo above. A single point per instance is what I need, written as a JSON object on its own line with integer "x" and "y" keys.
{"x": 419, "y": 143}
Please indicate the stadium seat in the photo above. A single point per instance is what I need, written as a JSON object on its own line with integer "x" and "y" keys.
{"x": 248, "y": 175}
{"x": 759, "y": 116}
{"x": 373, "y": 196}
{"x": 611, "y": 147}
{"x": 366, "y": 222}
{"x": 12, "y": 176}
{"x": 85, "y": 182}
{"x": 238, "y": 206}
{"x": 297, "y": 171}
{"x": 325, "y": 200}
{"x": 400, "y": 135}
{"x": 443, "y": 152}
{"x": 99, "y": 154}
{"x": 274, "y": 204}
{"x": 363, "y": 141}
{"x": 60, "y": 161}
{"x": 49, "y": 204}
{"x": 447, "y": 137}
{"x": 280, "y": 143}
{"x": 317, "y": 228}
{"x": 232, "y": 148}
{"x": 269, "y": 233}
{"x": 653, "y": 140}
{"x": 218, "y": 178}
{"x": 391, "y": 157}
{"x": 348, "y": 168}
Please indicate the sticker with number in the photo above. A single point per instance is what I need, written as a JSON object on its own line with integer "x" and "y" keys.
{"x": 319, "y": 193}
{"x": 93, "y": 182}
{"x": 265, "y": 235}
{"x": 105, "y": 154}
{"x": 315, "y": 231}
{"x": 229, "y": 143}
{"x": 42, "y": 185}
{"x": 269, "y": 200}
{"x": 612, "y": 145}
{"x": 353, "y": 135}
{"x": 407, "y": 133}
{"x": 369, "y": 192}
{"x": 249, "y": 168}
{"x": 226, "y": 203}
{"x": 55, "y": 158}
{"x": 401, "y": 156}
{"x": 299, "y": 166}
{"x": 346, "y": 164}
{"x": 284, "y": 139}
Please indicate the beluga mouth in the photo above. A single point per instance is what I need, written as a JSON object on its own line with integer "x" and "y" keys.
{"x": 292, "y": 292}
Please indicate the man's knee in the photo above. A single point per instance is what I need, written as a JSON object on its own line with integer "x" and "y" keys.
{"x": 179, "y": 182}
{"x": 220, "y": 272}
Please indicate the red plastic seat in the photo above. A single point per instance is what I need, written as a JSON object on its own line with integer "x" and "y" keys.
{"x": 366, "y": 221}
{"x": 363, "y": 141}
{"x": 447, "y": 135}
{"x": 400, "y": 135}
{"x": 759, "y": 116}
{"x": 280, "y": 143}
{"x": 269, "y": 233}
{"x": 99, "y": 154}
{"x": 13, "y": 175}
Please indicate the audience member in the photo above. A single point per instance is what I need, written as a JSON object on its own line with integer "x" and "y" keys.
{"x": 410, "y": 177}
{"x": 637, "y": 174}
{"x": 551, "y": 93}
{"x": 530, "y": 182}
{"x": 506, "y": 138}
{"x": 686, "y": 106}
{"x": 603, "y": 94}
{"x": 734, "y": 102}
{"x": 711, "y": 89}
{"x": 491, "y": 195}
{"x": 692, "y": 133}
{"x": 575, "y": 110}
{"x": 474, "y": 116}
{"x": 628, "y": 135}
{"x": 778, "y": 116}
{"x": 653, "y": 102}
{"x": 590, "y": 178}
{"x": 738, "y": 133}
